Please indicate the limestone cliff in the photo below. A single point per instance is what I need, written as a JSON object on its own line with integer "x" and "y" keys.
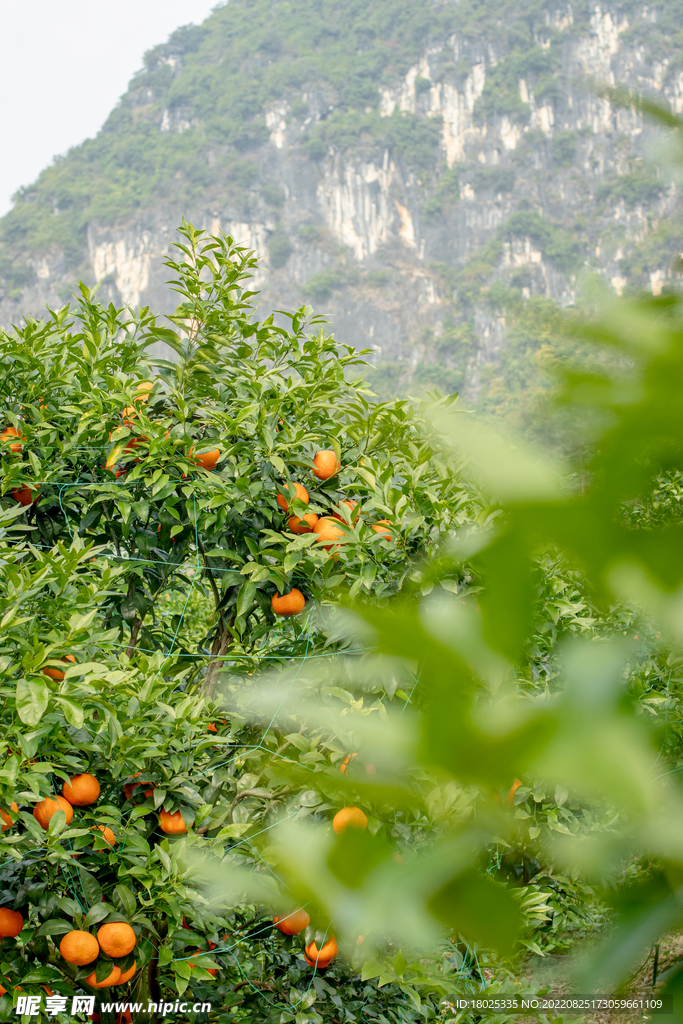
{"x": 481, "y": 166}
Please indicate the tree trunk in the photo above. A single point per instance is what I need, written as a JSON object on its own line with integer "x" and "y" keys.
{"x": 136, "y": 625}
{"x": 147, "y": 991}
{"x": 134, "y": 633}
{"x": 220, "y": 645}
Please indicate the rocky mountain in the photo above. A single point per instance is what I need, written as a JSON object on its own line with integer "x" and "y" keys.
{"x": 436, "y": 176}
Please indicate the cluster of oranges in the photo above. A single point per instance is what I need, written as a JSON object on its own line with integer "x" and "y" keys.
{"x": 298, "y": 920}
{"x": 25, "y": 495}
{"x": 206, "y": 459}
{"x": 116, "y": 940}
{"x": 77, "y": 947}
{"x": 325, "y": 465}
{"x": 80, "y": 791}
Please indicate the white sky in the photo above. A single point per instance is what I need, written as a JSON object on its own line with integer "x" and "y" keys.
{"x": 63, "y": 65}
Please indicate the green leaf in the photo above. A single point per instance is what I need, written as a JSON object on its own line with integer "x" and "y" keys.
{"x": 479, "y": 909}
{"x": 55, "y": 927}
{"x": 73, "y": 712}
{"x": 165, "y": 955}
{"x": 91, "y": 887}
{"x": 245, "y": 598}
{"x": 125, "y": 898}
{"x": 32, "y": 697}
{"x": 97, "y": 912}
{"x": 371, "y": 969}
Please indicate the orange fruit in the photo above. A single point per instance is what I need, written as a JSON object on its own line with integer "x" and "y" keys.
{"x": 79, "y": 948}
{"x": 26, "y": 495}
{"x": 318, "y": 965}
{"x": 116, "y": 939}
{"x": 326, "y": 464}
{"x": 381, "y": 527}
{"x": 56, "y": 673}
{"x": 44, "y": 810}
{"x": 304, "y": 524}
{"x": 107, "y": 833}
{"x": 112, "y": 979}
{"x": 7, "y": 434}
{"x": 369, "y": 768}
{"x": 130, "y": 787}
{"x": 293, "y": 923}
{"x": 349, "y": 817}
{"x": 327, "y": 530}
{"x": 172, "y": 824}
{"x": 81, "y": 790}
{"x": 11, "y": 923}
{"x": 208, "y": 460}
{"x": 323, "y": 956}
{"x": 510, "y": 798}
{"x": 288, "y": 604}
{"x": 301, "y": 494}
{"x": 7, "y": 821}
{"x": 128, "y": 975}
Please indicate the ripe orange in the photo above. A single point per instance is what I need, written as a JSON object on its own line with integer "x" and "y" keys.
{"x": 81, "y": 790}
{"x": 304, "y": 524}
{"x": 44, "y": 810}
{"x": 318, "y": 965}
{"x": 323, "y": 956}
{"x": 11, "y": 923}
{"x": 128, "y": 975}
{"x": 79, "y": 948}
{"x": 326, "y": 464}
{"x": 7, "y": 434}
{"x": 7, "y": 821}
{"x": 349, "y": 817}
{"x": 172, "y": 824}
{"x": 346, "y": 762}
{"x": 293, "y": 923}
{"x": 26, "y": 495}
{"x": 510, "y": 798}
{"x": 112, "y": 979}
{"x": 327, "y": 530}
{"x": 116, "y": 939}
{"x": 130, "y": 787}
{"x": 369, "y": 768}
{"x": 301, "y": 494}
{"x": 56, "y": 673}
{"x": 288, "y": 604}
{"x": 107, "y": 833}
{"x": 208, "y": 460}
{"x": 381, "y": 527}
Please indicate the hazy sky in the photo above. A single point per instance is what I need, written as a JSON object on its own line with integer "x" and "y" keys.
{"x": 63, "y": 65}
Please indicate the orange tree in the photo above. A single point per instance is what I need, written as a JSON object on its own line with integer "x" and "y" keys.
{"x": 163, "y": 524}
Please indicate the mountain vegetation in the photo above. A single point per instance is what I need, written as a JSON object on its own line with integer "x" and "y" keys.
{"x": 419, "y": 170}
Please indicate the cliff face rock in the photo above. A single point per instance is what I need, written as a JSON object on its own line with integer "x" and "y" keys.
{"x": 479, "y": 169}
